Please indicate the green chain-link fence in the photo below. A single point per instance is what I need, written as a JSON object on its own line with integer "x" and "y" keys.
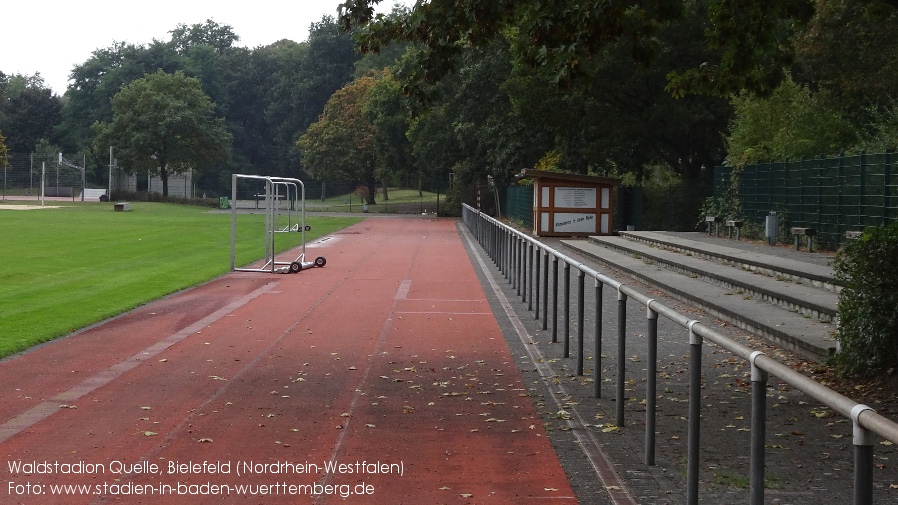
{"x": 832, "y": 195}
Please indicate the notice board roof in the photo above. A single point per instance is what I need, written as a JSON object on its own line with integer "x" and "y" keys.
{"x": 589, "y": 179}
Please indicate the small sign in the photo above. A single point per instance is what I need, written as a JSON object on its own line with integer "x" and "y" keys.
{"x": 575, "y": 198}
{"x": 570, "y": 222}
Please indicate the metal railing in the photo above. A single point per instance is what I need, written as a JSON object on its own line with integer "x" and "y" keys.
{"x": 526, "y": 263}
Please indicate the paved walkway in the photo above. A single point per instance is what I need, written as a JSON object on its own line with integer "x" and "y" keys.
{"x": 388, "y": 361}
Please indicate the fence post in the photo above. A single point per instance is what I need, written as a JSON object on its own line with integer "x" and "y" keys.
{"x": 546, "y": 292}
{"x": 887, "y": 176}
{"x": 651, "y": 388}
{"x": 567, "y": 309}
{"x": 597, "y": 359}
{"x": 695, "y": 401}
{"x": 555, "y": 300}
{"x": 839, "y": 185}
{"x": 529, "y": 274}
{"x": 581, "y": 278}
{"x": 621, "y": 355}
{"x": 758, "y": 430}
{"x": 538, "y": 260}
{"x": 862, "y": 192}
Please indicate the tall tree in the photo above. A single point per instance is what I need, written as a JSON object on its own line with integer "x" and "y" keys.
{"x": 340, "y": 146}
{"x": 29, "y": 111}
{"x": 299, "y": 94}
{"x": 164, "y": 123}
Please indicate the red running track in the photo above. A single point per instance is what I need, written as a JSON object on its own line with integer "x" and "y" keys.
{"x": 387, "y": 361}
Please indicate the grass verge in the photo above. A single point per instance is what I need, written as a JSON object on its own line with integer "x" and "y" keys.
{"x": 67, "y": 268}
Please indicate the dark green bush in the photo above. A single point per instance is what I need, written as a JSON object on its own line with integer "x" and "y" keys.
{"x": 868, "y": 304}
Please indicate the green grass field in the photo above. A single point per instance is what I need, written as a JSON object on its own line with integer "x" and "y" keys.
{"x": 64, "y": 269}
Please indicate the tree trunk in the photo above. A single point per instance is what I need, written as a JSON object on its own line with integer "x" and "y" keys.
{"x": 386, "y": 197}
{"x": 372, "y": 188}
{"x": 163, "y": 175}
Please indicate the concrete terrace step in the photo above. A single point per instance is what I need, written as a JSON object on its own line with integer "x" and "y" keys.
{"x": 797, "y": 296}
{"x": 817, "y": 275}
{"x": 794, "y": 331}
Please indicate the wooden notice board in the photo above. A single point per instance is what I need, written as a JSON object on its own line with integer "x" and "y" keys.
{"x": 566, "y": 205}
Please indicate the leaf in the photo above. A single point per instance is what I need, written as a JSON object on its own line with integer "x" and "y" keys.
{"x": 205, "y": 440}
{"x": 466, "y": 495}
{"x": 150, "y": 433}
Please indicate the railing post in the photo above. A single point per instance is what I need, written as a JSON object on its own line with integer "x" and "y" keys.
{"x": 651, "y": 388}
{"x": 695, "y": 401}
{"x": 529, "y": 275}
{"x": 518, "y": 271}
{"x": 863, "y": 458}
{"x": 555, "y": 299}
{"x": 567, "y": 309}
{"x": 758, "y": 430}
{"x": 597, "y": 359}
{"x": 522, "y": 269}
{"x": 538, "y": 259}
{"x": 621, "y": 355}
{"x": 581, "y": 277}
{"x": 504, "y": 239}
{"x": 546, "y": 291}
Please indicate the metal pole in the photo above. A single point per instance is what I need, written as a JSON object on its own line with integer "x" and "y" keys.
{"x": 538, "y": 261}
{"x": 695, "y": 392}
{"x": 567, "y": 309}
{"x": 109, "y": 193}
{"x": 546, "y": 291}
{"x": 651, "y": 389}
{"x": 555, "y": 300}
{"x": 758, "y": 430}
{"x": 522, "y": 269}
{"x": 621, "y": 354}
{"x": 233, "y": 218}
{"x": 580, "y": 318}
{"x": 529, "y": 275}
{"x": 863, "y": 458}
{"x": 597, "y": 355}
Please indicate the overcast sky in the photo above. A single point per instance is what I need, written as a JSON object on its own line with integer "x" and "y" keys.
{"x": 50, "y": 37}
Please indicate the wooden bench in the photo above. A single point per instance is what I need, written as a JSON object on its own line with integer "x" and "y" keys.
{"x": 716, "y": 221}
{"x": 732, "y": 223}
{"x": 806, "y": 232}
{"x": 122, "y": 206}
{"x": 853, "y": 234}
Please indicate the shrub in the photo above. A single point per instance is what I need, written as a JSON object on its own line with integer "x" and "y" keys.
{"x": 868, "y": 305}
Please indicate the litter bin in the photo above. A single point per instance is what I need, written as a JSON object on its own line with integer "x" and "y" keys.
{"x": 223, "y": 202}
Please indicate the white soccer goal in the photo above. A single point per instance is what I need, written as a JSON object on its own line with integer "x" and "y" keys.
{"x": 283, "y": 202}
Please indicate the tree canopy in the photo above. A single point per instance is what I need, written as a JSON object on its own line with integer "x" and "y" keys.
{"x": 164, "y": 123}
{"x": 752, "y": 38}
{"x": 29, "y": 111}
